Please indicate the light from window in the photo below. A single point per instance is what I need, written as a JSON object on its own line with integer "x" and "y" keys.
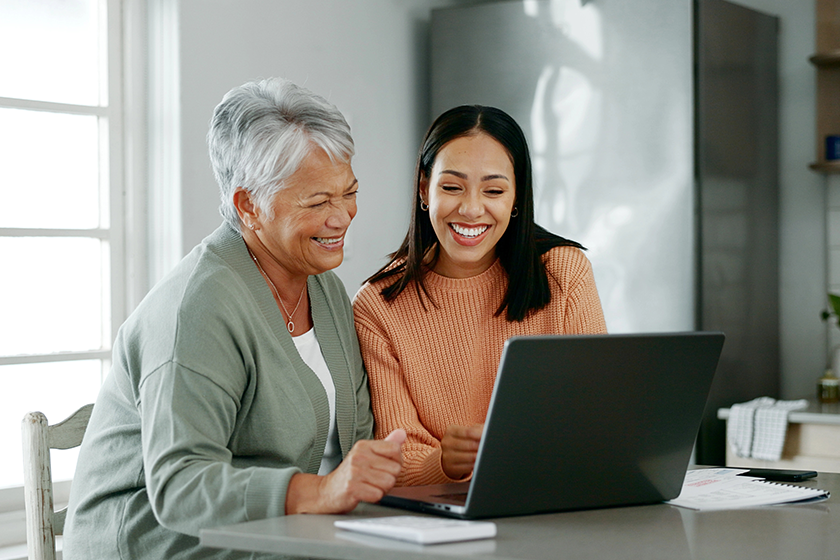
{"x": 55, "y": 230}
{"x": 52, "y": 50}
{"x": 51, "y": 169}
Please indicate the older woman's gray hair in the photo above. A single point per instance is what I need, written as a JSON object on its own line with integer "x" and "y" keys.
{"x": 262, "y": 131}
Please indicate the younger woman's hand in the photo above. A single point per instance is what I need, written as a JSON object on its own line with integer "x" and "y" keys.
{"x": 459, "y": 448}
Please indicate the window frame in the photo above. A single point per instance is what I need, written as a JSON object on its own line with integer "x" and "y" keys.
{"x": 122, "y": 115}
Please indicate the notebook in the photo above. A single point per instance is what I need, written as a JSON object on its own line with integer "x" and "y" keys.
{"x": 580, "y": 422}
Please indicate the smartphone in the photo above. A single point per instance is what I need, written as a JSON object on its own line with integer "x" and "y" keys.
{"x": 783, "y": 475}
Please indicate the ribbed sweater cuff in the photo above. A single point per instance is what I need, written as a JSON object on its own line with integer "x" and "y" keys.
{"x": 265, "y": 495}
{"x": 430, "y": 471}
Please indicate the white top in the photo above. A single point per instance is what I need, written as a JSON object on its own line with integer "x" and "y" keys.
{"x": 310, "y": 351}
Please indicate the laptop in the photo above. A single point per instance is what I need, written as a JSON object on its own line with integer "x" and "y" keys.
{"x": 580, "y": 422}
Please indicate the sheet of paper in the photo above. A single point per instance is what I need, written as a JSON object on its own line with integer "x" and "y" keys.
{"x": 710, "y": 489}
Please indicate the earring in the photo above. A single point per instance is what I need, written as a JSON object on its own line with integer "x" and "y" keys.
{"x": 515, "y": 212}
{"x": 423, "y": 206}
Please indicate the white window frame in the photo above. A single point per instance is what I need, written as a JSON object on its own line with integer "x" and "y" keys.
{"x": 124, "y": 134}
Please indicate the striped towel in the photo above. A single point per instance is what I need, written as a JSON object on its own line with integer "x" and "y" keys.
{"x": 757, "y": 429}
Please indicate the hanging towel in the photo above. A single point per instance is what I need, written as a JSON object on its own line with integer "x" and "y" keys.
{"x": 739, "y": 425}
{"x": 757, "y": 429}
{"x": 770, "y": 429}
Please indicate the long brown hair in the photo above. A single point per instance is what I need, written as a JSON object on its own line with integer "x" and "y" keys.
{"x": 522, "y": 245}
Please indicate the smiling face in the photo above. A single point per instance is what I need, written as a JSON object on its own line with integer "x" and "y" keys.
{"x": 471, "y": 193}
{"x": 311, "y": 214}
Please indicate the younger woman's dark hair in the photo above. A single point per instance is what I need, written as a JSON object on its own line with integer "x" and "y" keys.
{"x": 520, "y": 248}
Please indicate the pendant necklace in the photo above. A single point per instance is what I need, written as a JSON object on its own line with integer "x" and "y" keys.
{"x": 291, "y": 324}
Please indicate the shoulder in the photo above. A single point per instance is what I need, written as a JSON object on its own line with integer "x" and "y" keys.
{"x": 567, "y": 263}
{"x": 369, "y": 300}
{"x": 372, "y": 311}
{"x": 370, "y": 294}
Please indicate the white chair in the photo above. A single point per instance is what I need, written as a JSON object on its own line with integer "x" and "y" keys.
{"x": 42, "y": 523}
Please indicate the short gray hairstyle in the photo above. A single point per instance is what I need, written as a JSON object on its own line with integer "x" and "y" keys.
{"x": 262, "y": 131}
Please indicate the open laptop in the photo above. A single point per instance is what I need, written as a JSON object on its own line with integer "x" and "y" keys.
{"x": 578, "y": 422}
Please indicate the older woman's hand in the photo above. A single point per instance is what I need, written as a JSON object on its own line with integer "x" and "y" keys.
{"x": 365, "y": 475}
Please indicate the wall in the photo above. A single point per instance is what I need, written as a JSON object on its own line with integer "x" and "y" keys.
{"x": 833, "y": 273}
{"x": 369, "y": 57}
{"x": 802, "y": 202}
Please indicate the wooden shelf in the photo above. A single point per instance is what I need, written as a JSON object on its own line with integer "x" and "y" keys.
{"x": 826, "y": 166}
{"x": 826, "y": 59}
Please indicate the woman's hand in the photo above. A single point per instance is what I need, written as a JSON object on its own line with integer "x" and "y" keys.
{"x": 365, "y": 475}
{"x": 459, "y": 448}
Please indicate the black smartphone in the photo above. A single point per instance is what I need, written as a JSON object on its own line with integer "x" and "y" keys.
{"x": 783, "y": 475}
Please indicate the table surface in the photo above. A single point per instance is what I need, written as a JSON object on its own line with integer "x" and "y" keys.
{"x": 660, "y": 531}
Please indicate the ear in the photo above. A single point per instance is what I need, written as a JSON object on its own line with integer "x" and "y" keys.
{"x": 245, "y": 207}
{"x": 424, "y": 188}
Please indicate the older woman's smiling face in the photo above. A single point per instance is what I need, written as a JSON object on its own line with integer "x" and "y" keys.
{"x": 311, "y": 214}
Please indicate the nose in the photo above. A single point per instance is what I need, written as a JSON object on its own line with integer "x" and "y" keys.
{"x": 471, "y": 206}
{"x": 341, "y": 215}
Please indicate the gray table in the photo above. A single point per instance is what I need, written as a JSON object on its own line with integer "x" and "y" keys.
{"x": 802, "y": 532}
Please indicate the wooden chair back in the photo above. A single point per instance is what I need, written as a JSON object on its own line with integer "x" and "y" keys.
{"x": 42, "y": 522}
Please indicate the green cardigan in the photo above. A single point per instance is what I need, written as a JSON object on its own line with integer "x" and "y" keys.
{"x": 209, "y": 410}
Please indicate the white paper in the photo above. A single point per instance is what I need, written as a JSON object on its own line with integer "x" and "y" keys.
{"x": 711, "y": 489}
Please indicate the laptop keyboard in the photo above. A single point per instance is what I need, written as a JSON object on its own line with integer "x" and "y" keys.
{"x": 455, "y": 497}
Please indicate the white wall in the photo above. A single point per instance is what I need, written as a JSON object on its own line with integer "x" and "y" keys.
{"x": 369, "y": 57}
{"x": 833, "y": 272}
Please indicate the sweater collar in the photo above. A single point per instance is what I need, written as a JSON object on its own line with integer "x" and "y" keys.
{"x": 489, "y": 276}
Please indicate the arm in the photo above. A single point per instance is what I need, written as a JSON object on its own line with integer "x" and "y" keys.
{"x": 187, "y": 421}
{"x": 393, "y": 407}
{"x": 569, "y": 269}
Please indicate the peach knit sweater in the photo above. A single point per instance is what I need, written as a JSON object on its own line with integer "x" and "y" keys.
{"x": 432, "y": 368}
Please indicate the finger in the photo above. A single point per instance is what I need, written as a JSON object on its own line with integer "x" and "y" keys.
{"x": 461, "y": 444}
{"x": 475, "y": 431}
{"x": 363, "y": 477}
{"x": 397, "y": 436}
{"x": 377, "y": 455}
{"x": 457, "y": 458}
{"x": 472, "y": 433}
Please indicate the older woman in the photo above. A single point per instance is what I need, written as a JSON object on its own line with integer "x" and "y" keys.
{"x": 474, "y": 270}
{"x": 237, "y": 390}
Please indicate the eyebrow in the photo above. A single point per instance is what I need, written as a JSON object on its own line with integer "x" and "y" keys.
{"x": 485, "y": 178}
{"x": 324, "y": 193}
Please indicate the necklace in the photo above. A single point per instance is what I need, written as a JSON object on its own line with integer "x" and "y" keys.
{"x": 291, "y": 324}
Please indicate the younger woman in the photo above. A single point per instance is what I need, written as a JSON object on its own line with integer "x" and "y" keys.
{"x": 474, "y": 270}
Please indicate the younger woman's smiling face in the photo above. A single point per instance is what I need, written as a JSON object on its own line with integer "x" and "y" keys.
{"x": 471, "y": 193}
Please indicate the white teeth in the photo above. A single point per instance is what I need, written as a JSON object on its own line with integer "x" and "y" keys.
{"x": 469, "y": 232}
{"x": 328, "y": 240}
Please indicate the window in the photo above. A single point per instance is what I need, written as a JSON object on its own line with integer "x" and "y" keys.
{"x": 61, "y": 215}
